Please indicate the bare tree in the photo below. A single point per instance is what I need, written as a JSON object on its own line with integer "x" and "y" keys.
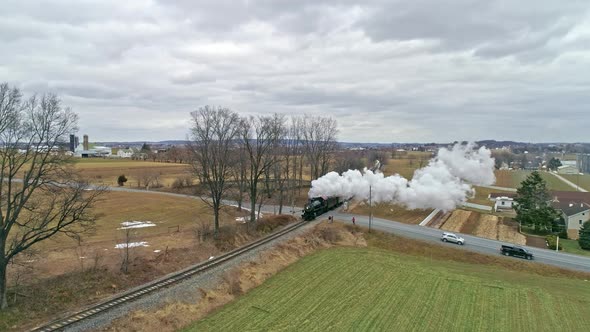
{"x": 238, "y": 171}
{"x": 214, "y": 134}
{"x": 319, "y": 137}
{"x": 40, "y": 194}
{"x": 126, "y": 246}
{"x": 378, "y": 155}
{"x": 259, "y": 137}
{"x": 348, "y": 160}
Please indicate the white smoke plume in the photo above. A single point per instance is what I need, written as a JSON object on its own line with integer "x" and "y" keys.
{"x": 443, "y": 184}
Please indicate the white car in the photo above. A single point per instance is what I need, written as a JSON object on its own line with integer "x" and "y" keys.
{"x": 451, "y": 237}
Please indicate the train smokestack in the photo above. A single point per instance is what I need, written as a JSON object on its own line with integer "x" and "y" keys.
{"x": 86, "y": 148}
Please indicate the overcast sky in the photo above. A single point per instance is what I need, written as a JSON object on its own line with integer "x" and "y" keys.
{"x": 389, "y": 71}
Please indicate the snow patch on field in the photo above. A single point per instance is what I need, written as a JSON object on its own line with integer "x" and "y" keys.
{"x": 131, "y": 245}
{"x": 136, "y": 224}
{"x": 243, "y": 220}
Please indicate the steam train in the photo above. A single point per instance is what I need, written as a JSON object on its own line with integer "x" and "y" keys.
{"x": 320, "y": 205}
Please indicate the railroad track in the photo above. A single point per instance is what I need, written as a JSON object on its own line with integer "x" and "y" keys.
{"x": 161, "y": 283}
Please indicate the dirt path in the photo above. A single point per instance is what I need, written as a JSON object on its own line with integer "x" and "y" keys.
{"x": 536, "y": 241}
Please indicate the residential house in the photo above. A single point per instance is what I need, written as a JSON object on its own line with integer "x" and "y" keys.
{"x": 575, "y": 214}
{"x": 125, "y": 153}
{"x": 573, "y": 206}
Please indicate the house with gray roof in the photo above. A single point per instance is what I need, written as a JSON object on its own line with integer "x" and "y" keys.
{"x": 575, "y": 214}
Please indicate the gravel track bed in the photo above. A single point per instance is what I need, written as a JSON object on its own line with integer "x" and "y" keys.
{"x": 186, "y": 290}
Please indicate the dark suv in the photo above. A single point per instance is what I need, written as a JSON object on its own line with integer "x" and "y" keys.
{"x": 516, "y": 251}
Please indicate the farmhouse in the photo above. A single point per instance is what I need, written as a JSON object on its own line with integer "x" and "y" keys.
{"x": 575, "y": 209}
{"x": 575, "y": 215}
{"x": 125, "y": 153}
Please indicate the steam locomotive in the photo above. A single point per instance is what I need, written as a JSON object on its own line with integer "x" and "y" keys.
{"x": 320, "y": 205}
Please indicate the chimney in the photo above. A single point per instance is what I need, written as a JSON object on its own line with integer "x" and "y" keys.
{"x": 85, "y": 142}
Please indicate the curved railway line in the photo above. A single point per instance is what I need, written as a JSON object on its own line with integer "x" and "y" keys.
{"x": 173, "y": 278}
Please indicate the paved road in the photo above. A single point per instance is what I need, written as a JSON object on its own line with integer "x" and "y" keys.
{"x": 500, "y": 188}
{"x": 472, "y": 243}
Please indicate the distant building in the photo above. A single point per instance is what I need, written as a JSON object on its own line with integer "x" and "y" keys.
{"x": 583, "y": 163}
{"x": 568, "y": 162}
{"x": 502, "y": 201}
{"x": 73, "y": 143}
{"x": 85, "y": 150}
{"x": 125, "y": 153}
{"x": 567, "y": 169}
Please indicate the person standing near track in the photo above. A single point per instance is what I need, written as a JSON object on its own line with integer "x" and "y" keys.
{"x": 353, "y": 220}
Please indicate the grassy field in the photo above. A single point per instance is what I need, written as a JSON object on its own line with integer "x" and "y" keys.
{"x": 512, "y": 179}
{"x": 406, "y": 165}
{"x": 362, "y": 289}
{"x": 573, "y": 247}
{"x": 581, "y": 180}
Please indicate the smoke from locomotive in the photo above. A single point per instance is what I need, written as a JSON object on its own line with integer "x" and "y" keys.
{"x": 443, "y": 184}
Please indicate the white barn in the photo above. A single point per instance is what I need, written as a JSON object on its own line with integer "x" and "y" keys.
{"x": 567, "y": 169}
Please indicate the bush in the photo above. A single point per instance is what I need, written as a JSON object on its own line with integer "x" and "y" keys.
{"x": 270, "y": 223}
{"x": 226, "y": 238}
{"x": 552, "y": 242}
{"x": 563, "y": 234}
{"x": 330, "y": 234}
{"x": 584, "y": 240}
{"x": 121, "y": 180}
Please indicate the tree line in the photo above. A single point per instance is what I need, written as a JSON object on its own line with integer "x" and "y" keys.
{"x": 257, "y": 157}
{"x": 42, "y": 194}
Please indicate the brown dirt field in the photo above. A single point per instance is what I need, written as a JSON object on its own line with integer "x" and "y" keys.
{"x": 483, "y": 225}
{"x": 509, "y": 234}
{"x": 536, "y": 241}
{"x": 470, "y": 224}
{"x": 407, "y": 164}
{"x": 487, "y": 227}
{"x": 456, "y": 220}
{"x": 107, "y": 171}
{"x": 440, "y": 220}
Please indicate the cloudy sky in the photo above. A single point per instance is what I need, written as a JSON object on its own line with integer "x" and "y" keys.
{"x": 389, "y": 71}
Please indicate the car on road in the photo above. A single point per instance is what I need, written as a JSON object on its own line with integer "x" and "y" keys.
{"x": 452, "y": 237}
{"x": 508, "y": 250}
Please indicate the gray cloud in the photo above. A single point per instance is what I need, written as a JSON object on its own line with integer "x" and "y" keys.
{"x": 387, "y": 70}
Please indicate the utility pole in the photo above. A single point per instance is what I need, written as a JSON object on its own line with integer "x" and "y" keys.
{"x": 370, "y": 208}
{"x": 557, "y": 244}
